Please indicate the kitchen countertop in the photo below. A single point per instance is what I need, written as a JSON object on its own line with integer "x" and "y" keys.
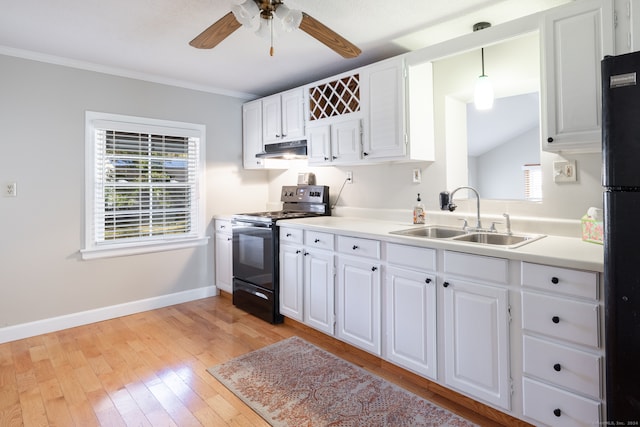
{"x": 570, "y": 252}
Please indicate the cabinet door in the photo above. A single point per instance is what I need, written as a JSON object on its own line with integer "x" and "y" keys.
{"x": 410, "y": 320}
{"x": 271, "y": 119}
{"x": 574, "y": 41}
{"x": 359, "y": 303}
{"x": 252, "y": 135}
{"x": 346, "y": 144}
{"x": 224, "y": 263}
{"x": 319, "y": 144}
{"x": 384, "y": 98}
{"x": 291, "y": 282}
{"x": 292, "y": 114}
{"x": 319, "y": 290}
{"x": 476, "y": 341}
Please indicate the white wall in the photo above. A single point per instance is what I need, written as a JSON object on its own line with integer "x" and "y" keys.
{"x": 42, "y": 109}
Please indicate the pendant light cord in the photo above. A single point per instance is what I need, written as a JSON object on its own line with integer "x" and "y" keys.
{"x": 482, "y": 53}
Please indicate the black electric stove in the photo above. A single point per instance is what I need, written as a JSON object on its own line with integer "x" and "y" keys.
{"x": 256, "y": 245}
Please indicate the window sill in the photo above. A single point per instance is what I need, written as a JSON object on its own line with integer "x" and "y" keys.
{"x": 141, "y": 248}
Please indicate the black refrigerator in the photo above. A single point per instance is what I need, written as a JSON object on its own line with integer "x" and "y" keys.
{"x": 621, "y": 181}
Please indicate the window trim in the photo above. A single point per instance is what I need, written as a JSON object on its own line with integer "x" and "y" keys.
{"x": 92, "y": 249}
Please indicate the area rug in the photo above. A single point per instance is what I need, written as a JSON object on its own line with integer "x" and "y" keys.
{"x": 294, "y": 383}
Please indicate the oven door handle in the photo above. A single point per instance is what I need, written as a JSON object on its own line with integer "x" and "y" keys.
{"x": 243, "y": 223}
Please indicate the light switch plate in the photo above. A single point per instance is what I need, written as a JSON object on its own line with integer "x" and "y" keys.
{"x": 417, "y": 176}
{"x": 564, "y": 171}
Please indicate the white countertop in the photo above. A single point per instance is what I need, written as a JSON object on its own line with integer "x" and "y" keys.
{"x": 559, "y": 251}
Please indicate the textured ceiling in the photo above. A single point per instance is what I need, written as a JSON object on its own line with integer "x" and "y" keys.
{"x": 149, "y": 38}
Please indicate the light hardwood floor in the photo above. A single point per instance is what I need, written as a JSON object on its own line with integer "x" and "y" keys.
{"x": 149, "y": 369}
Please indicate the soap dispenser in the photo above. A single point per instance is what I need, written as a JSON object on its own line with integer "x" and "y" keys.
{"x": 419, "y": 214}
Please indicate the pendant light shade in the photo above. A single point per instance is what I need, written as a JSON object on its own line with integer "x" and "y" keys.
{"x": 483, "y": 95}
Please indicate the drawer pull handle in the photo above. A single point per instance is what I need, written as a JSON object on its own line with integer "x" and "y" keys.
{"x": 555, "y": 319}
{"x": 555, "y": 280}
{"x": 445, "y": 284}
{"x": 374, "y": 268}
{"x": 427, "y": 280}
{"x": 355, "y": 247}
{"x": 316, "y": 241}
{"x": 305, "y": 253}
{"x": 557, "y": 412}
{"x": 557, "y": 367}
{"x": 288, "y": 234}
{"x": 298, "y": 251}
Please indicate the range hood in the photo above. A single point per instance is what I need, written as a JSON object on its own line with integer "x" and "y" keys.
{"x": 285, "y": 150}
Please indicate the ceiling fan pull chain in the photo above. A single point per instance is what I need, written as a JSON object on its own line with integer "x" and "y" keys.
{"x": 271, "y": 30}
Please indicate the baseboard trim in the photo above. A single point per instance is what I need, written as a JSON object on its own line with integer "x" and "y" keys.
{"x": 30, "y": 329}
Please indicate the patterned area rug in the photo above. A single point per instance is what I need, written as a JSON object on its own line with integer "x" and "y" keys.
{"x": 294, "y": 383}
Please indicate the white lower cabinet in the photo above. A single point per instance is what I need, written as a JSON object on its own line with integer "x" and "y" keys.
{"x": 307, "y": 278}
{"x": 358, "y": 300}
{"x": 562, "y": 346}
{"x": 224, "y": 255}
{"x": 476, "y": 328}
{"x": 409, "y": 309}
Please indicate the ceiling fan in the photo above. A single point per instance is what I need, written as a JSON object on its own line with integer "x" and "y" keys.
{"x": 258, "y": 15}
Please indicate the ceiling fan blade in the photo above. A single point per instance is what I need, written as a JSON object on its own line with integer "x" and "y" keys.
{"x": 329, "y": 37}
{"x": 217, "y": 32}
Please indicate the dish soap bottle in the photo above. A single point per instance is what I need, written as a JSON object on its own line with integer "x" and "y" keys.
{"x": 419, "y": 214}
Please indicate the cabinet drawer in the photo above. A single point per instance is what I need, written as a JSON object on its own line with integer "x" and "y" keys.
{"x": 556, "y": 407}
{"x": 477, "y": 267}
{"x": 223, "y": 226}
{"x": 317, "y": 239}
{"x": 411, "y": 256}
{"x": 577, "y": 283}
{"x": 360, "y": 247}
{"x": 291, "y": 235}
{"x": 573, "y": 369}
{"x": 556, "y": 317}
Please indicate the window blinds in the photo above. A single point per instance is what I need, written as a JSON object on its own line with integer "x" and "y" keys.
{"x": 145, "y": 186}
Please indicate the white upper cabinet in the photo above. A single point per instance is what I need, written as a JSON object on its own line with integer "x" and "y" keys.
{"x": 575, "y": 38}
{"x": 336, "y": 143}
{"x": 283, "y": 116}
{"x": 252, "y": 134}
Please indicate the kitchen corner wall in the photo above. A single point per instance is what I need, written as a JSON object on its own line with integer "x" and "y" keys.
{"x": 42, "y": 113}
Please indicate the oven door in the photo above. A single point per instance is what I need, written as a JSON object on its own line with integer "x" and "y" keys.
{"x": 253, "y": 252}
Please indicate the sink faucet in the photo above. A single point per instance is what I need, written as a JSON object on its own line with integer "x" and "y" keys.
{"x": 508, "y": 220}
{"x": 446, "y": 203}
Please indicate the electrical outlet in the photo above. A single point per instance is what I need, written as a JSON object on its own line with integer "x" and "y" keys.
{"x": 417, "y": 176}
{"x": 11, "y": 189}
{"x": 349, "y": 177}
{"x": 564, "y": 171}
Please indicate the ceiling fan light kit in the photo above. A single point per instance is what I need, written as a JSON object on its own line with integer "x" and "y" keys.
{"x": 258, "y": 16}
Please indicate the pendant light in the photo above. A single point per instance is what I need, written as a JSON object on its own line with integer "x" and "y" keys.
{"x": 483, "y": 95}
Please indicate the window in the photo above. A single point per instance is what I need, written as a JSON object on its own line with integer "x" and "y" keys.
{"x": 143, "y": 179}
{"x": 532, "y": 182}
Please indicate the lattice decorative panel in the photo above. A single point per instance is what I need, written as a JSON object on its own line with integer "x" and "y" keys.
{"x": 335, "y": 98}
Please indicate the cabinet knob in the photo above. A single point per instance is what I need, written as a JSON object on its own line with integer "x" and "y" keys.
{"x": 555, "y": 280}
{"x": 335, "y": 157}
{"x": 223, "y": 226}
{"x": 316, "y": 241}
{"x": 445, "y": 284}
{"x": 288, "y": 234}
{"x": 557, "y": 412}
{"x": 305, "y": 253}
{"x": 365, "y": 154}
{"x": 229, "y": 239}
{"x": 298, "y": 251}
{"x": 550, "y": 140}
{"x": 355, "y": 247}
{"x": 555, "y": 319}
{"x": 284, "y": 135}
{"x": 374, "y": 268}
{"x": 557, "y": 367}
{"x": 326, "y": 159}
{"x": 427, "y": 280}
{"x": 277, "y": 136}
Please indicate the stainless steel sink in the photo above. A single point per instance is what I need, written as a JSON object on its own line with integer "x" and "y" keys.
{"x": 498, "y": 239}
{"x": 432, "y": 232}
{"x": 458, "y": 235}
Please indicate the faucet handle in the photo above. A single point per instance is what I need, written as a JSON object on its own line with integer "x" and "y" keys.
{"x": 465, "y": 224}
{"x": 493, "y": 228}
